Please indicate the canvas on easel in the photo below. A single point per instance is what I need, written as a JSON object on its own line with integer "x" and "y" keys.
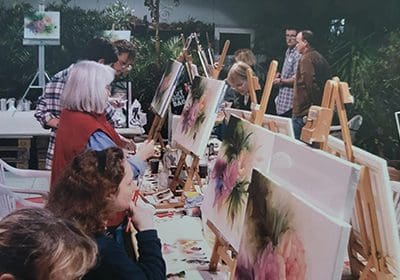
{"x": 166, "y": 88}
{"x": 374, "y": 242}
{"x": 285, "y": 237}
{"x": 162, "y": 99}
{"x": 199, "y": 114}
{"x": 383, "y": 199}
{"x": 323, "y": 179}
{"x": 276, "y": 124}
{"x": 245, "y": 145}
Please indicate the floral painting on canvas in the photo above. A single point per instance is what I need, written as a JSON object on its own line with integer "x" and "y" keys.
{"x": 245, "y": 145}
{"x": 199, "y": 113}
{"x": 285, "y": 236}
{"x": 166, "y": 88}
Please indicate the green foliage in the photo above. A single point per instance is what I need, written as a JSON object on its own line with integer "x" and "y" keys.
{"x": 237, "y": 140}
{"x": 120, "y": 14}
{"x": 375, "y": 82}
{"x": 19, "y": 62}
{"x": 236, "y": 200}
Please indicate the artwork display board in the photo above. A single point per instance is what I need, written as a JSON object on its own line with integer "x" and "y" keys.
{"x": 283, "y": 125}
{"x": 323, "y": 179}
{"x": 384, "y": 206}
{"x": 166, "y": 88}
{"x": 41, "y": 28}
{"x": 285, "y": 237}
{"x": 199, "y": 114}
{"x": 115, "y": 35}
{"x": 245, "y": 146}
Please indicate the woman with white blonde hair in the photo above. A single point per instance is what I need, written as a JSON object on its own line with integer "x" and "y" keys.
{"x": 83, "y": 124}
{"x": 85, "y": 90}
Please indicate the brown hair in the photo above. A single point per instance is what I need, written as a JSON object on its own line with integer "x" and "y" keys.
{"x": 246, "y": 56}
{"x": 83, "y": 192}
{"x": 34, "y": 244}
{"x": 124, "y": 46}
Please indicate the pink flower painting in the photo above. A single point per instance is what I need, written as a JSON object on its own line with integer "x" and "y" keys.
{"x": 270, "y": 248}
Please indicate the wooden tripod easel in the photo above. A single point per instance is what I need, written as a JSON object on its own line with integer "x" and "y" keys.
{"x": 365, "y": 252}
{"x": 192, "y": 170}
{"x": 222, "y": 250}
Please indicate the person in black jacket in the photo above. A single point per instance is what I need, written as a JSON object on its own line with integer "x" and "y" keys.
{"x": 93, "y": 189}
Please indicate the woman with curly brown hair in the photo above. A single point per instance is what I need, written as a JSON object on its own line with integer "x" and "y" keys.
{"x": 34, "y": 244}
{"x": 93, "y": 188}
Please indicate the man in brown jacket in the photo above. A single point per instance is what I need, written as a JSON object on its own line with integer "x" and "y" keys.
{"x": 312, "y": 73}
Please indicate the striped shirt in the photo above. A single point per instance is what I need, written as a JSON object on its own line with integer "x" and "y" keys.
{"x": 284, "y": 100}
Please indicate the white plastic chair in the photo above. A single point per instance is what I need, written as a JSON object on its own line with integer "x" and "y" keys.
{"x": 24, "y": 173}
{"x": 10, "y": 200}
{"x": 396, "y": 200}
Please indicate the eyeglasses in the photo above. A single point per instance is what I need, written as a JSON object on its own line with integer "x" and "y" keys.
{"x": 290, "y": 35}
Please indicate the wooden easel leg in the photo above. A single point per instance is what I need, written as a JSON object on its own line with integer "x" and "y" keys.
{"x": 215, "y": 256}
{"x": 179, "y": 168}
{"x": 189, "y": 186}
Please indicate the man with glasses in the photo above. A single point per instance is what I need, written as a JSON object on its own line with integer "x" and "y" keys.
{"x": 119, "y": 55}
{"x": 285, "y": 80}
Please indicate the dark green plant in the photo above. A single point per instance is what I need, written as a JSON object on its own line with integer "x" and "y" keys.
{"x": 374, "y": 81}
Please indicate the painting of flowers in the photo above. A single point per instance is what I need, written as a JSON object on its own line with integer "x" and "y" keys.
{"x": 42, "y": 25}
{"x": 245, "y": 145}
{"x": 166, "y": 88}
{"x": 284, "y": 237}
{"x": 199, "y": 114}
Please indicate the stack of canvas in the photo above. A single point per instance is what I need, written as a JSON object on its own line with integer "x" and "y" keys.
{"x": 280, "y": 217}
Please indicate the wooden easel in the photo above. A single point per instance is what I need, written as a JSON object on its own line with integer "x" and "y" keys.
{"x": 215, "y": 71}
{"x": 365, "y": 254}
{"x": 192, "y": 170}
{"x": 158, "y": 122}
{"x": 222, "y": 250}
{"x": 155, "y": 130}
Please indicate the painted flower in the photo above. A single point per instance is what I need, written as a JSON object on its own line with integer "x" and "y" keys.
{"x": 292, "y": 254}
{"x": 266, "y": 266}
{"x": 245, "y": 268}
{"x": 189, "y": 117}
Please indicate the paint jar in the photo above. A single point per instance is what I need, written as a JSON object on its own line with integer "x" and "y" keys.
{"x": 27, "y": 105}
{"x": 3, "y": 104}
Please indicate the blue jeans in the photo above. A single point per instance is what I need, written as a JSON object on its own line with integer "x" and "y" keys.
{"x": 298, "y": 124}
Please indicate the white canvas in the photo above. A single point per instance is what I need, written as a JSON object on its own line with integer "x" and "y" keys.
{"x": 383, "y": 198}
{"x": 166, "y": 88}
{"x": 284, "y": 125}
{"x": 199, "y": 114}
{"x": 226, "y": 173}
{"x": 323, "y": 179}
{"x": 286, "y": 237}
{"x": 42, "y": 25}
{"x": 115, "y": 35}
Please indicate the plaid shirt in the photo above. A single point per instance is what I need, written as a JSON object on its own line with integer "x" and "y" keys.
{"x": 284, "y": 100}
{"x": 49, "y": 107}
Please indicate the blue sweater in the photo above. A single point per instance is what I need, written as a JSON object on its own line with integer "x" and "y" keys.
{"x": 114, "y": 263}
